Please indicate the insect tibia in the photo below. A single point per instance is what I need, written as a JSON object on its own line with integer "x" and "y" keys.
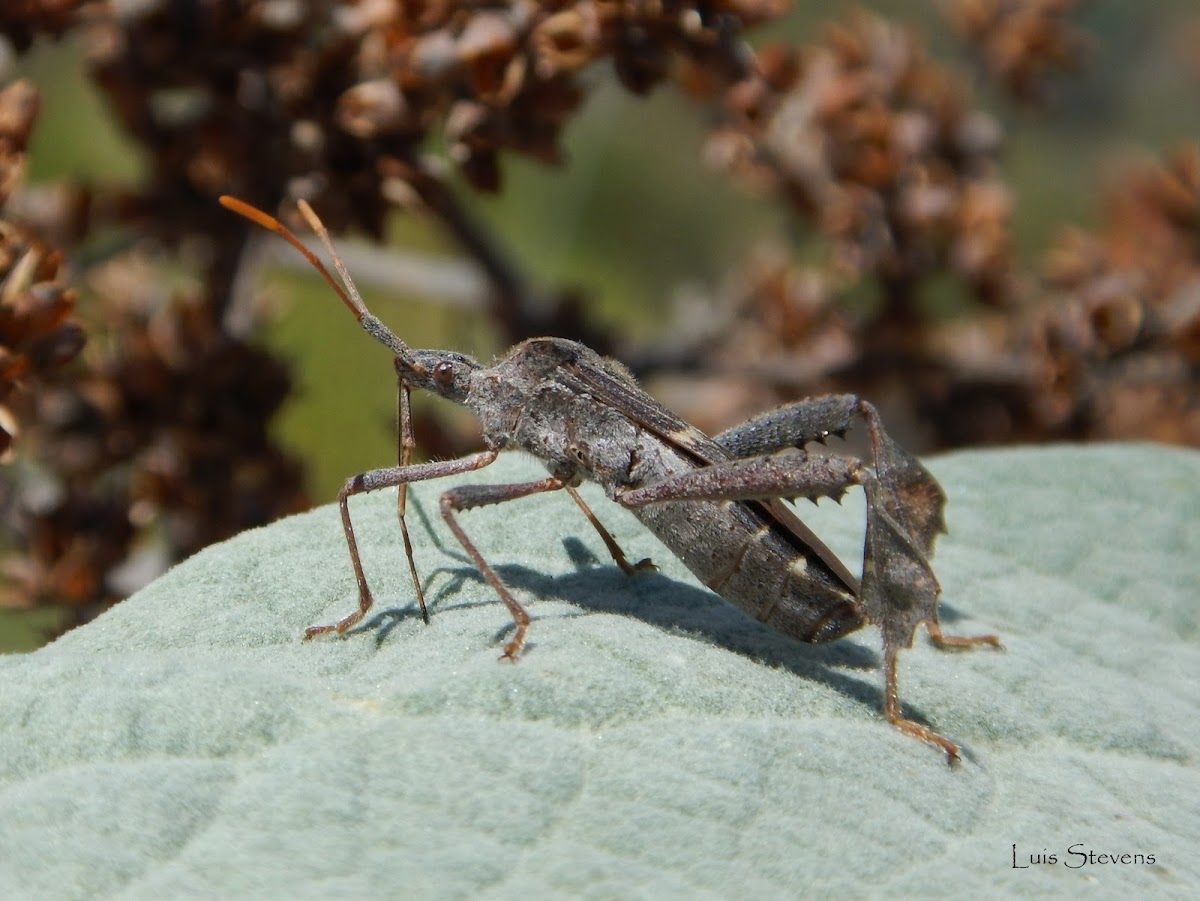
{"x": 891, "y": 709}
{"x": 899, "y": 589}
{"x": 912, "y": 496}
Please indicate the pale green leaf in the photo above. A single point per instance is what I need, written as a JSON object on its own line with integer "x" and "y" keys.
{"x": 653, "y": 742}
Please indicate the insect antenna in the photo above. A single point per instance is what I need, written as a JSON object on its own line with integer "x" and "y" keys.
{"x": 270, "y": 223}
{"x": 349, "y": 294}
{"x": 318, "y": 227}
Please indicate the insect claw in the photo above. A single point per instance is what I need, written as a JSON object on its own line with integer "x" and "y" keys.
{"x": 927, "y": 735}
{"x": 341, "y": 627}
{"x": 959, "y": 642}
{"x": 513, "y": 649}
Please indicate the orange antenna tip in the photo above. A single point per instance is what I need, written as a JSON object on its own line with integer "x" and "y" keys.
{"x": 270, "y": 223}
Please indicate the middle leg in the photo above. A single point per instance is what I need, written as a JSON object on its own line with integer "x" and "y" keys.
{"x": 614, "y": 549}
{"x": 468, "y": 497}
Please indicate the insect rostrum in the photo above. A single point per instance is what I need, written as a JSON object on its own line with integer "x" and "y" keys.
{"x": 716, "y": 502}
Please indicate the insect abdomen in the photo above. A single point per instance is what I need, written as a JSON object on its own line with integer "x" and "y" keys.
{"x": 742, "y": 558}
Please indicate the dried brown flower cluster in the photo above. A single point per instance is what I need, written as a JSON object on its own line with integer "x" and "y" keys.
{"x": 1105, "y": 346}
{"x": 150, "y": 447}
{"x": 880, "y": 150}
{"x": 879, "y": 147}
{"x": 22, "y": 20}
{"x": 163, "y": 434}
{"x": 37, "y": 332}
{"x": 336, "y": 101}
{"x": 1119, "y": 343}
{"x": 1108, "y": 347}
{"x": 1021, "y": 43}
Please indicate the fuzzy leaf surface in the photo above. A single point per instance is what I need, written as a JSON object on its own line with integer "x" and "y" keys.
{"x": 653, "y": 741}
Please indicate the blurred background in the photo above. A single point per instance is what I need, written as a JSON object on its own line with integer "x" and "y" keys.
{"x": 983, "y": 215}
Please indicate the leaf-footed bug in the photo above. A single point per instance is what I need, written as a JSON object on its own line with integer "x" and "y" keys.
{"x": 716, "y": 502}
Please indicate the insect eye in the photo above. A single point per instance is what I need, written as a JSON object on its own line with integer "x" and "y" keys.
{"x": 443, "y": 373}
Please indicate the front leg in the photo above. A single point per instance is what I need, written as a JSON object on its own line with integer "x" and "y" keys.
{"x": 387, "y": 478}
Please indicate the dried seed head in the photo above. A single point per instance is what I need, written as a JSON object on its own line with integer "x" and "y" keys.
{"x": 372, "y": 108}
{"x": 434, "y": 58}
{"x": 38, "y": 337}
{"x": 566, "y": 41}
{"x": 1021, "y": 43}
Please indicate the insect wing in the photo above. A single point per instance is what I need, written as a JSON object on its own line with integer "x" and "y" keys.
{"x": 642, "y": 409}
{"x": 689, "y": 440}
